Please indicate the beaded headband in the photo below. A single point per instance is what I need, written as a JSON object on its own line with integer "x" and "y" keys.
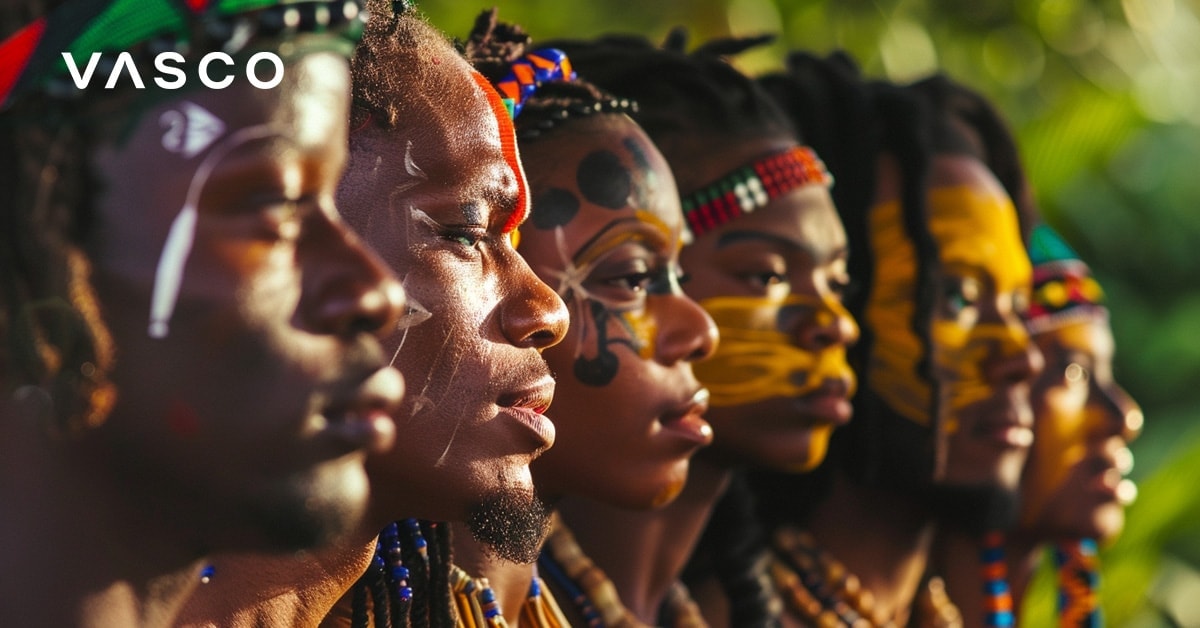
{"x": 1063, "y": 287}
{"x": 31, "y": 59}
{"x": 753, "y": 186}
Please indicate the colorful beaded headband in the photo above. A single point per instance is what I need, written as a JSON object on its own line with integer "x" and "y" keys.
{"x": 753, "y": 186}
{"x": 1063, "y": 287}
{"x": 32, "y": 58}
{"x": 528, "y": 73}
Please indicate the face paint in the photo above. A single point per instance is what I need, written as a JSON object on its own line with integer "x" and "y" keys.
{"x": 508, "y": 146}
{"x": 976, "y": 231}
{"x": 756, "y": 361}
{"x": 168, "y": 275}
{"x": 634, "y": 327}
{"x": 603, "y": 180}
{"x": 889, "y": 312}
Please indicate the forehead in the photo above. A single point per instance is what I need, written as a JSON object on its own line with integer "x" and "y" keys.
{"x": 804, "y": 218}
{"x": 974, "y": 222}
{"x": 595, "y": 170}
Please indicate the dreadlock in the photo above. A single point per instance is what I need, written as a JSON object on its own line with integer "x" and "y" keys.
{"x": 971, "y": 125}
{"x": 391, "y": 74}
{"x": 494, "y": 46}
{"x": 681, "y": 95}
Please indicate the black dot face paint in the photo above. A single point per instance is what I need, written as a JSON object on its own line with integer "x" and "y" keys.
{"x": 603, "y": 180}
{"x": 602, "y": 369}
{"x": 554, "y": 207}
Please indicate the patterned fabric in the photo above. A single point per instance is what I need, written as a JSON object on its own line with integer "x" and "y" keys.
{"x": 997, "y": 598}
{"x": 1078, "y": 582}
{"x": 529, "y": 72}
{"x": 33, "y": 55}
{"x": 753, "y": 186}
{"x": 1063, "y": 287}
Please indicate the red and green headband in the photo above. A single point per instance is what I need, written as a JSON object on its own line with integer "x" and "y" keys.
{"x": 1063, "y": 287}
{"x": 753, "y": 186}
{"x": 32, "y": 57}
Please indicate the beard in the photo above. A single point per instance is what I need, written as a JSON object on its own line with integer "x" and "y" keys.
{"x": 512, "y": 525}
{"x": 975, "y": 509}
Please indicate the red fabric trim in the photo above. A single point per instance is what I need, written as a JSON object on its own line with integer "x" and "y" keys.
{"x": 15, "y": 53}
{"x": 508, "y": 145}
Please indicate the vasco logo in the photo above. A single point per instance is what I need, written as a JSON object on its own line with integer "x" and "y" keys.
{"x": 171, "y": 76}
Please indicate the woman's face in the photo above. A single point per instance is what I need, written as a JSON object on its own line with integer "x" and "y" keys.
{"x": 772, "y": 280}
{"x": 605, "y": 233}
{"x": 983, "y": 358}
{"x": 1084, "y": 422}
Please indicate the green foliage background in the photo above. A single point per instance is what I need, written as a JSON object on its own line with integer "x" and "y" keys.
{"x": 1105, "y": 98}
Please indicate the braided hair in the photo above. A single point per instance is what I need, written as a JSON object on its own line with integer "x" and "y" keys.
{"x": 494, "y": 46}
{"x": 390, "y": 71}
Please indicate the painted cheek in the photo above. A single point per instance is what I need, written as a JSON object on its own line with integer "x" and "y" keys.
{"x": 960, "y": 355}
{"x": 889, "y": 314}
{"x": 641, "y": 329}
{"x": 668, "y": 494}
{"x": 818, "y": 446}
{"x": 755, "y": 361}
{"x": 1059, "y": 444}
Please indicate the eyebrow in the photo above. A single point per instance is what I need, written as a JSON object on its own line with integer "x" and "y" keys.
{"x": 645, "y": 232}
{"x": 732, "y": 237}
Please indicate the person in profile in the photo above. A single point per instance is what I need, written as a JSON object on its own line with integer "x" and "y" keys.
{"x": 190, "y": 361}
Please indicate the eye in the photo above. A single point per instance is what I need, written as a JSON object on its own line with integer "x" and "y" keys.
{"x": 765, "y": 279}
{"x": 636, "y": 282}
{"x": 1076, "y": 373}
{"x": 960, "y": 295}
{"x": 468, "y": 237}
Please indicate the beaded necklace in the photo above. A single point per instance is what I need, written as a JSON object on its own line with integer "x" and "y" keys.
{"x": 997, "y": 600}
{"x": 820, "y": 589}
{"x": 1078, "y": 580}
{"x": 478, "y": 607}
{"x": 595, "y": 596}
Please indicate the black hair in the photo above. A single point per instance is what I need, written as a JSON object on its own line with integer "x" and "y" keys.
{"x": 376, "y": 599}
{"x": 681, "y": 95}
{"x": 967, "y": 123}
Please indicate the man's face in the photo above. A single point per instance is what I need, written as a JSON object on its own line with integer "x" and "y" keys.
{"x": 1084, "y": 422}
{"x": 772, "y": 280}
{"x": 983, "y": 358}
{"x": 605, "y": 232}
{"x": 247, "y": 406}
{"x": 435, "y": 196}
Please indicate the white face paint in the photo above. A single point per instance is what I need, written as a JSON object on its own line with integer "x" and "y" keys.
{"x": 168, "y": 275}
{"x": 190, "y": 129}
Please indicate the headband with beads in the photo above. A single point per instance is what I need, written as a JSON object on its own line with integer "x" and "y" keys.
{"x": 31, "y": 59}
{"x": 1063, "y": 287}
{"x": 528, "y": 73}
{"x": 753, "y": 186}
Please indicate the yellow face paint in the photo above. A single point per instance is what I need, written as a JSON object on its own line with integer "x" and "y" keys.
{"x": 978, "y": 231}
{"x": 1064, "y": 416}
{"x": 756, "y": 361}
{"x": 889, "y": 313}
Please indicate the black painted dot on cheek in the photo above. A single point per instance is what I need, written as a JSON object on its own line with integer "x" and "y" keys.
{"x": 554, "y": 207}
{"x": 603, "y": 180}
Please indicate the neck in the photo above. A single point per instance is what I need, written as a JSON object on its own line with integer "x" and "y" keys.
{"x": 263, "y": 590}
{"x": 883, "y": 537}
{"x": 508, "y": 580}
{"x": 84, "y": 551}
{"x": 643, "y": 552}
{"x": 1024, "y": 554}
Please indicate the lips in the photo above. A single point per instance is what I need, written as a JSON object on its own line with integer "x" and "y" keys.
{"x": 527, "y": 406}
{"x": 686, "y": 420}
{"x": 363, "y": 418}
{"x": 1002, "y": 422}
{"x": 829, "y": 403}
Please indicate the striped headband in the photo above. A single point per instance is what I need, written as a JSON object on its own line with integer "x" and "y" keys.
{"x": 752, "y": 186}
{"x": 526, "y": 74}
{"x": 1063, "y": 287}
{"x": 32, "y": 58}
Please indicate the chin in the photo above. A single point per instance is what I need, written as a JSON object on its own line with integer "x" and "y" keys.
{"x": 304, "y": 513}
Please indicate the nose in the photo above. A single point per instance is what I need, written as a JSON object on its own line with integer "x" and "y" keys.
{"x": 347, "y": 289}
{"x": 830, "y": 324}
{"x": 686, "y": 332}
{"x": 532, "y": 315}
{"x": 1014, "y": 357}
{"x": 1123, "y": 416}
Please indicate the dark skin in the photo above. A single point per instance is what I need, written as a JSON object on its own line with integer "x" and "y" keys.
{"x": 477, "y": 383}
{"x": 797, "y": 237}
{"x": 625, "y": 438}
{"x": 247, "y": 426}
